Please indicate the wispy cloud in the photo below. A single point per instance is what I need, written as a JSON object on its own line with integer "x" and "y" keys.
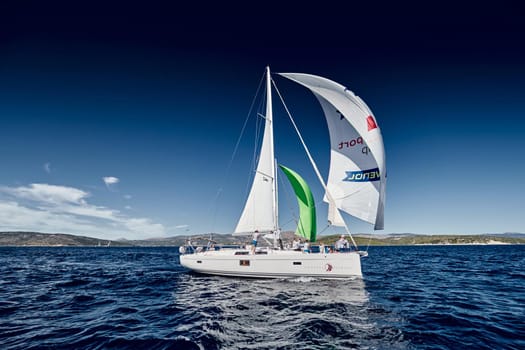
{"x": 47, "y": 168}
{"x": 127, "y": 196}
{"x": 51, "y": 208}
{"x": 49, "y": 194}
{"x": 110, "y": 180}
{"x": 182, "y": 226}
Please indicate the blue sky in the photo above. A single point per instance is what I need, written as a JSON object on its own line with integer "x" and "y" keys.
{"x": 122, "y": 123}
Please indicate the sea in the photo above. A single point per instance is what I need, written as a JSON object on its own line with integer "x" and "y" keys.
{"x": 414, "y": 297}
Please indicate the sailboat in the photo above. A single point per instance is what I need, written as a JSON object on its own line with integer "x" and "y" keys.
{"x": 356, "y": 185}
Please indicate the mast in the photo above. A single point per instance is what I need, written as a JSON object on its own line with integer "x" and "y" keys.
{"x": 269, "y": 118}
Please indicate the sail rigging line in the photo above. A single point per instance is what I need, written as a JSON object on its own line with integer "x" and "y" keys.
{"x": 234, "y": 153}
{"x": 369, "y": 240}
{"x": 294, "y": 220}
{"x": 314, "y": 165}
{"x": 276, "y": 210}
{"x": 260, "y": 123}
{"x": 244, "y": 125}
{"x": 214, "y": 206}
{"x": 255, "y": 155}
{"x": 324, "y": 229}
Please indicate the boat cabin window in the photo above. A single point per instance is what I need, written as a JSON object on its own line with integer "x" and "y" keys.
{"x": 242, "y": 253}
{"x": 199, "y": 261}
{"x": 297, "y": 263}
{"x": 244, "y": 262}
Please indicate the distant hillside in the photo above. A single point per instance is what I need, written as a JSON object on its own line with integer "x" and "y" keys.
{"x": 37, "y": 239}
{"x": 414, "y": 239}
{"x": 61, "y": 239}
{"x": 225, "y": 239}
{"x": 181, "y": 240}
{"x": 508, "y": 234}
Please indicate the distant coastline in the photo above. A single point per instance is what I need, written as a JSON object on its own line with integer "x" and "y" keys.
{"x": 38, "y": 239}
{"x": 490, "y": 242}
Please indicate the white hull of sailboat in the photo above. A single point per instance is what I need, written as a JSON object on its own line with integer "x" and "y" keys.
{"x": 274, "y": 264}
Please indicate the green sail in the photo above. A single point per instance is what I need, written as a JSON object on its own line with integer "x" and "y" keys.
{"x": 307, "y": 226}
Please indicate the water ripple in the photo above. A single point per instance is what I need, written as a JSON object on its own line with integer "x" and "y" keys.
{"x": 141, "y": 298}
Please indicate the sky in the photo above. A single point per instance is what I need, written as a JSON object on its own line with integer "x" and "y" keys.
{"x": 121, "y": 121}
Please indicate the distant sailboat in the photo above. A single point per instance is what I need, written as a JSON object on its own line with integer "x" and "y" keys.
{"x": 356, "y": 185}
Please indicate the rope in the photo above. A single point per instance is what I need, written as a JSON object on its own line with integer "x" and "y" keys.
{"x": 234, "y": 153}
{"x": 244, "y": 125}
{"x": 324, "y": 229}
{"x": 369, "y": 240}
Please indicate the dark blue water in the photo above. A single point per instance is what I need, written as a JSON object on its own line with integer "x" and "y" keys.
{"x": 427, "y": 297}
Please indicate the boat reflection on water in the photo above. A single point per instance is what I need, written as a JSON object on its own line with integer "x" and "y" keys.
{"x": 253, "y": 313}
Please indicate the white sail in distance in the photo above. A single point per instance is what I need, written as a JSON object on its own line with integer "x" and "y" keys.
{"x": 357, "y": 176}
{"x": 259, "y": 212}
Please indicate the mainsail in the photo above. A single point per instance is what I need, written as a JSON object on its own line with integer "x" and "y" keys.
{"x": 260, "y": 211}
{"x": 357, "y": 177}
{"x": 306, "y": 227}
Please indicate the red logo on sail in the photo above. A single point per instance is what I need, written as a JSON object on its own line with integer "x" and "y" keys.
{"x": 371, "y": 123}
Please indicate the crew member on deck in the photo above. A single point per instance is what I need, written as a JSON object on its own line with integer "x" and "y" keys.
{"x": 254, "y": 240}
{"x": 278, "y": 236}
{"x": 306, "y": 247}
{"x": 296, "y": 245}
{"x": 341, "y": 243}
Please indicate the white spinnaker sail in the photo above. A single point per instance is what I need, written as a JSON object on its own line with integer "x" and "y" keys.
{"x": 357, "y": 177}
{"x": 259, "y": 212}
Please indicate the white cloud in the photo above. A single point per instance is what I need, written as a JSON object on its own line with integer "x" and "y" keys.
{"x": 110, "y": 180}
{"x": 15, "y": 217}
{"x": 51, "y": 208}
{"x": 90, "y": 211}
{"x": 47, "y": 168}
{"x": 182, "y": 226}
{"x": 127, "y": 196}
{"x": 50, "y": 194}
{"x": 144, "y": 225}
{"x": 128, "y": 207}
